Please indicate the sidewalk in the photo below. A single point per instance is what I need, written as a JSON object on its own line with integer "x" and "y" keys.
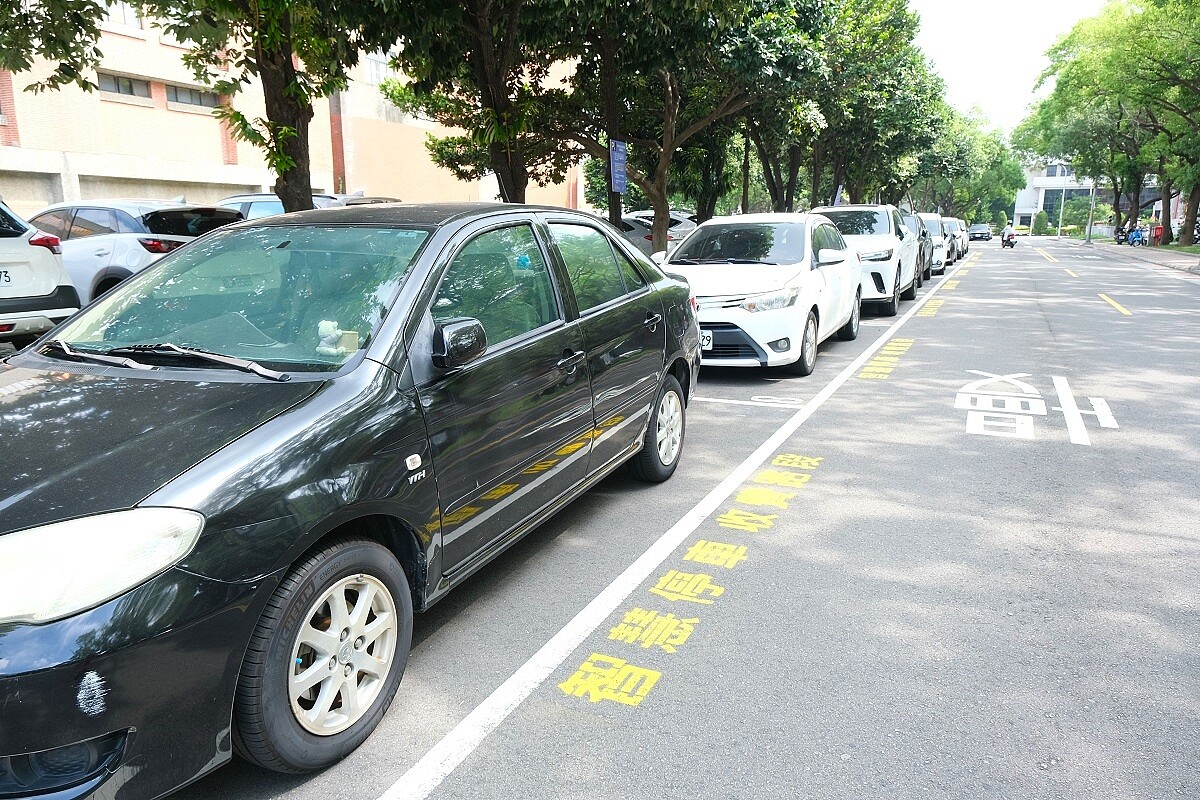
{"x": 1163, "y": 256}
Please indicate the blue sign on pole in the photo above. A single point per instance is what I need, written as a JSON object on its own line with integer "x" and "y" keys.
{"x": 616, "y": 157}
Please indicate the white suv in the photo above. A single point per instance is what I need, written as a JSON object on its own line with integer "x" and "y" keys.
{"x": 887, "y": 248}
{"x": 35, "y": 292}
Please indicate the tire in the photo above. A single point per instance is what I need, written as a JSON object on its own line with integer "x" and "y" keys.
{"x": 892, "y": 307}
{"x": 808, "y": 349}
{"x": 928, "y": 275}
{"x": 105, "y": 287}
{"x": 21, "y": 342}
{"x": 267, "y": 727}
{"x": 849, "y": 331}
{"x": 911, "y": 292}
{"x": 663, "y": 444}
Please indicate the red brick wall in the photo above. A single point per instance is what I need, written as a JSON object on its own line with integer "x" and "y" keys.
{"x": 229, "y": 154}
{"x": 8, "y": 132}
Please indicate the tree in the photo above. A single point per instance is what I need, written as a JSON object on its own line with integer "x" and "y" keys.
{"x": 64, "y": 32}
{"x": 1041, "y": 224}
{"x": 1000, "y": 220}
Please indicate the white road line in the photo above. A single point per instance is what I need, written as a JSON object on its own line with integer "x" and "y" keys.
{"x": 723, "y": 401}
{"x": 425, "y": 776}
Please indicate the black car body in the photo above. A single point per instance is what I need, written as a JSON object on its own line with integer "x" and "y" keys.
{"x": 980, "y": 231}
{"x": 409, "y": 459}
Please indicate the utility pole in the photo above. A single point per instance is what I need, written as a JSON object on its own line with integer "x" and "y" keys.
{"x": 1062, "y": 205}
{"x": 1091, "y": 212}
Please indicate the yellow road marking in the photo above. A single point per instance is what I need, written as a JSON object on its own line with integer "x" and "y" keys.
{"x": 1072, "y": 274}
{"x": 1116, "y": 305}
{"x": 1046, "y": 255}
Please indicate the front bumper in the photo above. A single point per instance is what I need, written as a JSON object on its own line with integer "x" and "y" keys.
{"x": 145, "y": 682}
{"x": 743, "y": 339}
{"x": 878, "y": 280}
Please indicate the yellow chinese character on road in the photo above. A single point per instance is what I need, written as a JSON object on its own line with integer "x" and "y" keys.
{"x": 605, "y": 678}
{"x": 650, "y": 629}
{"x": 718, "y": 554}
{"x": 503, "y": 490}
{"x": 758, "y": 496}
{"x": 462, "y": 515}
{"x": 748, "y": 521}
{"x": 797, "y": 462}
{"x": 778, "y": 477}
{"x": 677, "y": 585}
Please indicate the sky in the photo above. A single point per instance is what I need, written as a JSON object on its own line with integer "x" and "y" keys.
{"x": 991, "y": 53}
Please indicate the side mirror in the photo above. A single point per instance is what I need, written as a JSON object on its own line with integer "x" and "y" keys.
{"x": 659, "y": 257}
{"x": 829, "y": 257}
{"x": 458, "y": 342}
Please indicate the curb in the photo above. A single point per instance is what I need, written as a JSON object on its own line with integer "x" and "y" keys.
{"x": 1136, "y": 253}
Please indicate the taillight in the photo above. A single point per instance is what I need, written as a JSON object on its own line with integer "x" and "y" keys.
{"x": 48, "y": 241}
{"x": 159, "y": 245}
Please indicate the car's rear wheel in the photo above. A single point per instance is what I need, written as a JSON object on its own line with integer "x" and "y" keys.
{"x": 849, "y": 331}
{"x": 808, "y": 348}
{"x": 663, "y": 445}
{"x": 325, "y": 659}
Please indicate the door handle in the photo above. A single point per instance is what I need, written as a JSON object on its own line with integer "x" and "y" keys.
{"x": 570, "y": 359}
{"x": 101, "y": 252}
{"x": 652, "y": 320}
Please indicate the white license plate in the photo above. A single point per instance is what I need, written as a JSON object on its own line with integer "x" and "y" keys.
{"x": 706, "y": 340}
{"x": 14, "y": 280}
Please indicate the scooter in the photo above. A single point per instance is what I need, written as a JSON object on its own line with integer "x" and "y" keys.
{"x": 1120, "y": 236}
{"x": 1137, "y": 237}
{"x": 1008, "y": 241}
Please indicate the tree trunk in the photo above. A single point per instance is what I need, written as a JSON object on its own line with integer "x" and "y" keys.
{"x": 745, "y": 173}
{"x": 771, "y": 170}
{"x": 611, "y": 99}
{"x": 794, "y": 157}
{"x": 490, "y": 73}
{"x": 290, "y": 117}
{"x": 818, "y": 168}
{"x": 1188, "y": 235}
{"x": 1167, "y": 189}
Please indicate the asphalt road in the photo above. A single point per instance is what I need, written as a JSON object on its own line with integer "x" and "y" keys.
{"x": 952, "y": 585}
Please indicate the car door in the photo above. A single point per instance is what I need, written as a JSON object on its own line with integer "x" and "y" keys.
{"x": 509, "y": 432}
{"x": 623, "y": 330}
{"x": 834, "y": 308}
{"x": 89, "y": 248}
{"x": 908, "y": 250}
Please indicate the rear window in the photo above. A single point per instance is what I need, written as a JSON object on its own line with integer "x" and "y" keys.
{"x": 189, "y": 221}
{"x": 10, "y": 224}
{"x": 860, "y": 223}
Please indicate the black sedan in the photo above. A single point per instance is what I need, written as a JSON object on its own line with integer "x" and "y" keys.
{"x": 230, "y": 482}
{"x": 980, "y": 231}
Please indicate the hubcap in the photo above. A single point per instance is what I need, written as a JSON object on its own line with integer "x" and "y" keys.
{"x": 810, "y": 342}
{"x": 670, "y": 428}
{"x": 342, "y": 655}
{"x": 855, "y": 314}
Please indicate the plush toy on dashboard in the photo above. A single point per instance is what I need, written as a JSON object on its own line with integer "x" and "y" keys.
{"x": 333, "y": 341}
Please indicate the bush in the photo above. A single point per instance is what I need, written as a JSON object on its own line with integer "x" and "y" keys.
{"x": 1000, "y": 221}
{"x": 1041, "y": 224}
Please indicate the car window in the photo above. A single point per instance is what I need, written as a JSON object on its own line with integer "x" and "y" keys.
{"x": 10, "y": 224}
{"x": 52, "y": 222}
{"x": 501, "y": 279}
{"x": 820, "y": 241}
{"x": 189, "y": 221}
{"x": 264, "y": 208}
{"x": 92, "y": 222}
{"x": 633, "y": 278}
{"x": 591, "y": 264}
{"x": 860, "y": 222}
{"x": 126, "y": 223}
{"x": 292, "y": 297}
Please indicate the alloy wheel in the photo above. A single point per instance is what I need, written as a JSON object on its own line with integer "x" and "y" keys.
{"x": 670, "y": 427}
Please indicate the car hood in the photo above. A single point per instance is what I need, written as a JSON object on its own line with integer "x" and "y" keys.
{"x": 76, "y": 444}
{"x": 723, "y": 280}
{"x": 866, "y": 244}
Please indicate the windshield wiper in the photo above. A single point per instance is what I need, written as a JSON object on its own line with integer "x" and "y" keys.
{"x": 167, "y": 348}
{"x": 737, "y": 261}
{"x": 96, "y": 358}
{"x": 683, "y": 261}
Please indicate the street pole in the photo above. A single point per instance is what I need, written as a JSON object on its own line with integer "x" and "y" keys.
{"x": 1091, "y": 212}
{"x": 1061, "y": 207}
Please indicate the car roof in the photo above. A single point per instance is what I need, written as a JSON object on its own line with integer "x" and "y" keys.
{"x": 391, "y": 214}
{"x": 774, "y": 217}
{"x": 133, "y": 207}
{"x": 853, "y": 207}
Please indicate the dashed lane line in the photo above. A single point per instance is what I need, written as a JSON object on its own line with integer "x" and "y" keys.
{"x": 1116, "y": 305}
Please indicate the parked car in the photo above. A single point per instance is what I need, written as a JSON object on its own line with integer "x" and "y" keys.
{"x": 638, "y": 231}
{"x": 35, "y": 292}
{"x": 924, "y": 247}
{"x": 943, "y": 243}
{"x": 265, "y": 204}
{"x": 980, "y": 230}
{"x": 771, "y": 288}
{"x": 953, "y": 238}
{"x": 887, "y": 248}
{"x": 963, "y": 238}
{"x": 106, "y": 241}
{"x": 231, "y": 481}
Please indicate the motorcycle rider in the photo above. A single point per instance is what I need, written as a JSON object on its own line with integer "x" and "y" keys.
{"x": 1009, "y": 235}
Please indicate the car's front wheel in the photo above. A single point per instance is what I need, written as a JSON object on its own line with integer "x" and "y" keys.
{"x": 911, "y": 292}
{"x": 325, "y": 659}
{"x": 849, "y": 331}
{"x": 663, "y": 445}
{"x": 892, "y": 306}
{"x": 808, "y": 348}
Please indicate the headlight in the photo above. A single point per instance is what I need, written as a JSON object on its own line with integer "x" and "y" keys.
{"x": 57, "y": 570}
{"x": 878, "y": 255}
{"x": 772, "y": 301}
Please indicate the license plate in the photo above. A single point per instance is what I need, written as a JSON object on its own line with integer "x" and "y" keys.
{"x": 706, "y": 340}
{"x": 14, "y": 280}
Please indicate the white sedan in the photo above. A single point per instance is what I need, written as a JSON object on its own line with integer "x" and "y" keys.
{"x": 888, "y": 250}
{"x": 771, "y": 288}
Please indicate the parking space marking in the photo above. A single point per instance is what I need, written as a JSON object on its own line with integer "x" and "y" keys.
{"x": 880, "y": 367}
{"x": 1116, "y": 305}
{"x": 931, "y": 308}
{"x": 445, "y": 756}
{"x": 757, "y": 403}
{"x": 1072, "y": 274}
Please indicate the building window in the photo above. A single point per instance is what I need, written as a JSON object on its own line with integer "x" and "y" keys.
{"x": 122, "y": 14}
{"x": 116, "y": 84}
{"x": 192, "y": 97}
{"x": 377, "y": 68}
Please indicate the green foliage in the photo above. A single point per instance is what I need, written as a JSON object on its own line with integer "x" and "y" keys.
{"x": 969, "y": 172}
{"x": 1041, "y": 224}
{"x": 1075, "y": 212}
{"x": 1000, "y": 221}
{"x": 595, "y": 188}
{"x": 64, "y": 32}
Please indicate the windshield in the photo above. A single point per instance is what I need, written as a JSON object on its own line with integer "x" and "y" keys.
{"x": 747, "y": 242}
{"x": 860, "y": 223}
{"x": 295, "y": 298}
